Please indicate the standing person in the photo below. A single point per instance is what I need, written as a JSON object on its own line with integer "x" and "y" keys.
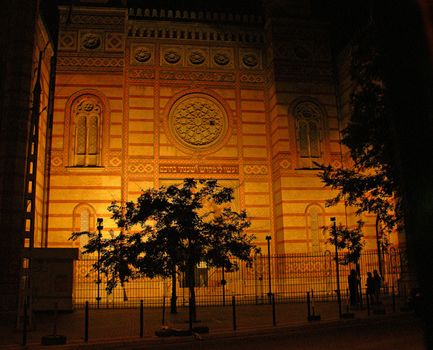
{"x": 352, "y": 280}
{"x": 377, "y": 285}
{"x": 371, "y": 292}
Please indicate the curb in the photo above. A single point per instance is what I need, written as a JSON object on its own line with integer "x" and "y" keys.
{"x": 245, "y": 332}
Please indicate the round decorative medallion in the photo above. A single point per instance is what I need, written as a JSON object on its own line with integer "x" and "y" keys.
{"x": 250, "y": 60}
{"x": 91, "y": 41}
{"x": 222, "y": 59}
{"x": 172, "y": 56}
{"x": 198, "y": 121}
{"x": 197, "y": 57}
{"x": 142, "y": 54}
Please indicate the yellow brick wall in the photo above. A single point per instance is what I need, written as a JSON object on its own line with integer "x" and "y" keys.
{"x": 258, "y": 157}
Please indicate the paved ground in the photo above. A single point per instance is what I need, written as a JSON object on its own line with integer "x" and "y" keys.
{"x": 118, "y": 327}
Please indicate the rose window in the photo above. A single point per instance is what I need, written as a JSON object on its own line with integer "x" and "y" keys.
{"x": 197, "y": 121}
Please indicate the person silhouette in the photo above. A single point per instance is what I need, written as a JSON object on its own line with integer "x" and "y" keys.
{"x": 352, "y": 280}
{"x": 377, "y": 285}
{"x": 371, "y": 292}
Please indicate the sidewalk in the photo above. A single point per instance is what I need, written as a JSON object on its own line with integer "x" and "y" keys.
{"x": 121, "y": 326}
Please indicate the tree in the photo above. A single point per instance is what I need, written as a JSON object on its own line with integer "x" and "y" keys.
{"x": 180, "y": 227}
{"x": 371, "y": 184}
{"x": 349, "y": 240}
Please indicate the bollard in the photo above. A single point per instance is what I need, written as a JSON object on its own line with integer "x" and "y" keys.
{"x": 163, "y": 310}
{"x": 86, "y": 322}
{"x": 368, "y": 303}
{"x": 347, "y": 300}
{"x": 340, "y": 314}
{"x": 25, "y": 324}
{"x": 393, "y": 299}
{"x": 223, "y": 285}
{"x": 55, "y": 319}
{"x": 313, "y": 308}
{"x": 190, "y": 314}
{"x": 274, "y": 319}
{"x": 141, "y": 319}
{"x": 234, "y": 312}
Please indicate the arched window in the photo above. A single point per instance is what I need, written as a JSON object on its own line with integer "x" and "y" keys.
{"x": 84, "y": 217}
{"x": 87, "y": 121}
{"x": 314, "y": 216}
{"x": 309, "y": 129}
{"x": 84, "y": 220}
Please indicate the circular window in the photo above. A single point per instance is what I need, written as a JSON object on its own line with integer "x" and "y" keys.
{"x": 198, "y": 121}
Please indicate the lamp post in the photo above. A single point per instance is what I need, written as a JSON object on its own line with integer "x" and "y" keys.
{"x": 268, "y": 238}
{"x": 99, "y": 227}
{"x": 337, "y": 267}
{"x": 223, "y": 285}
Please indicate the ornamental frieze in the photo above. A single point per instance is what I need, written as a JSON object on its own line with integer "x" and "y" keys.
{"x": 140, "y": 168}
{"x": 68, "y": 41}
{"x": 90, "y": 41}
{"x": 171, "y": 55}
{"x": 283, "y": 163}
{"x": 114, "y": 42}
{"x": 79, "y": 63}
{"x": 56, "y": 159}
{"x": 115, "y": 161}
{"x": 197, "y": 57}
{"x": 252, "y": 78}
{"x": 221, "y": 59}
{"x": 255, "y": 169}
{"x": 303, "y": 72}
{"x": 141, "y": 74}
{"x": 198, "y": 76}
{"x": 198, "y": 169}
{"x": 142, "y": 54}
{"x": 92, "y": 20}
{"x": 250, "y": 58}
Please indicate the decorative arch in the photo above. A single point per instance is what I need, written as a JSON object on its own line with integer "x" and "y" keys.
{"x": 310, "y": 119}
{"x": 314, "y": 221}
{"x": 86, "y": 129}
{"x": 83, "y": 219}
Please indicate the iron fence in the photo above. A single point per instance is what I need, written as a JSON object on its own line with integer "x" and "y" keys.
{"x": 288, "y": 277}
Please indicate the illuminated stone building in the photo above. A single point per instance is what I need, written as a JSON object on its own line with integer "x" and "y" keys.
{"x": 148, "y": 95}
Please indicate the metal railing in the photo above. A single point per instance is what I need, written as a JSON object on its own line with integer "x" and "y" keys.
{"x": 291, "y": 277}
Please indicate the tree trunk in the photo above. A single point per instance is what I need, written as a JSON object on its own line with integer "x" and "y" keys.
{"x": 191, "y": 286}
{"x": 173, "y": 307}
{"x": 359, "y": 286}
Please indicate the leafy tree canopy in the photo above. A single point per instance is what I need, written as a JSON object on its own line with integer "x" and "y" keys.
{"x": 349, "y": 240}
{"x": 178, "y": 226}
{"x": 371, "y": 183}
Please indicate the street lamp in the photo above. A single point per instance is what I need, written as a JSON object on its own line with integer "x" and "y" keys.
{"x": 268, "y": 238}
{"x": 99, "y": 227}
{"x": 337, "y": 267}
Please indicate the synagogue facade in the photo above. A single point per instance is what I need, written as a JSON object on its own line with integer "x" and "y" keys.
{"x": 145, "y": 97}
